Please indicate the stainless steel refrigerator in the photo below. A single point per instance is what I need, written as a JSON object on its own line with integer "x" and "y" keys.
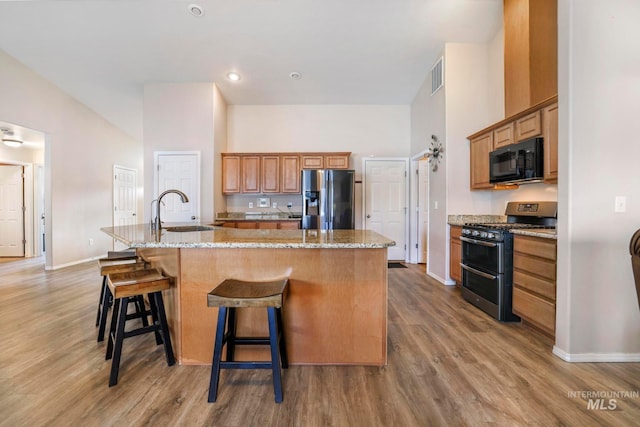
{"x": 327, "y": 199}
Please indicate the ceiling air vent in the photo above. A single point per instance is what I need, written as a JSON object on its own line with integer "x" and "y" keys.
{"x": 437, "y": 77}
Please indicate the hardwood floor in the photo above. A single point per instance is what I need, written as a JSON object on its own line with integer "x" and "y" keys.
{"x": 449, "y": 364}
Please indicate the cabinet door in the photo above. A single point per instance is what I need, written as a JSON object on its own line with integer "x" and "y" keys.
{"x": 480, "y": 148}
{"x": 230, "y": 174}
{"x": 250, "y": 174}
{"x": 503, "y": 136}
{"x": 550, "y": 133}
{"x": 266, "y": 225}
{"x": 270, "y": 174}
{"x": 528, "y": 126}
{"x": 336, "y": 162}
{"x": 455, "y": 254}
{"x": 290, "y": 174}
{"x": 312, "y": 162}
{"x": 289, "y": 225}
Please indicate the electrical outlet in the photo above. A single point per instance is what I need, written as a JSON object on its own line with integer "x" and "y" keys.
{"x": 250, "y": 204}
{"x": 621, "y": 204}
{"x": 274, "y": 205}
{"x": 90, "y": 242}
{"x": 289, "y": 205}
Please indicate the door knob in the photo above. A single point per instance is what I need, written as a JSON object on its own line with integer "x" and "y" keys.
{"x": 193, "y": 217}
{"x": 368, "y": 216}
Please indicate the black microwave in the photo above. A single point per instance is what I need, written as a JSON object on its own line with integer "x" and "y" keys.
{"x": 519, "y": 162}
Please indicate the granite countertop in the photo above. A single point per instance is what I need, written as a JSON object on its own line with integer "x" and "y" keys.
{"x": 536, "y": 232}
{"x": 258, "y": 216}
{"x": 460, "y": 220}
{"x": 141, "y": 236}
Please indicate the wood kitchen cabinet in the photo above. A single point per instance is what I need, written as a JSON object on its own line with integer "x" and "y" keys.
{"x": 480, "y": 147}
{"x": 250, "y": 172}
{"x": 290, "y": 173}
{"x": 455, "y": 254}
{"x": 550, "y": 134}
{"x": 270, "y": 174}
{"x": 534, "y": 281}
{"x": 325, "y": 160}
{"x": 312, "y": 161}
{"x": 263, "y": 225}
{"x": 528, "y": 126}
{"x": 231, "y": 174}
{"x": 503, "y": 136}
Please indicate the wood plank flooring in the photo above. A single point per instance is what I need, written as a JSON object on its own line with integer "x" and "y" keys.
{"x": 449, "y": 365}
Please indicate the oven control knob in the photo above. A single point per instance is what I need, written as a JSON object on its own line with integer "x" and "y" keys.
{"x": 483, "y": 234}
{"x": 475, "y": 233}
{"x": 491, "y": 236}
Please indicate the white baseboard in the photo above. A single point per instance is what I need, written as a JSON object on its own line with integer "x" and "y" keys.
{"x": 440, "y": 279}
{"x": 596, "y": 357}
{"x": 69, "y": 264}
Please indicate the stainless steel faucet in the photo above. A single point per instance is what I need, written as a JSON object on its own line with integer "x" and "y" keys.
{"x": 183, "y": 198}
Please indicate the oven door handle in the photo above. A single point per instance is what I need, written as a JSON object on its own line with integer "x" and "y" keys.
{"x": 478, "y": 242}
{"x": 478, "y": 272}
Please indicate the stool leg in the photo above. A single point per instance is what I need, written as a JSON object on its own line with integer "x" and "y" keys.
{"x": 118, "y": 338}
{"x": 154, "y": 318}
{"x": 283, "y": 343}
{"x": 275, "y": 354}
{"x": 231, "y": 334}
{"x": 112, "y": 328}
{"x": 101, "y": 301}
{"x": 103, "y": 309}
{"x": 140, "y": 308}
{"x": 217, "y": 354}
{"x": 162, "y": 318}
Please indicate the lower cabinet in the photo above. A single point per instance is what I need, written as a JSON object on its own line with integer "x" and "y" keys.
{"x": 534, "y": 281}
{"x": 263, "y": 225}
{"x": 455, "y": 254}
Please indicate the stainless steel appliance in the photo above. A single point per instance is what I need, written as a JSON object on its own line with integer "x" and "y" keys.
{"x": 521, "y": 162}
{"x": 487, "y": 256}
{"x": 328, "y": 199}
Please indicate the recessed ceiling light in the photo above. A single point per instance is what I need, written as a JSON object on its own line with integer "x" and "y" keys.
{"x": 295, "y": 75}
{"x": 233, "y": 76}
{"x": 196, "y": 10}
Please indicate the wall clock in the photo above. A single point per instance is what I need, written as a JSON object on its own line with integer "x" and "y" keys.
{"x": 435, "y": 153}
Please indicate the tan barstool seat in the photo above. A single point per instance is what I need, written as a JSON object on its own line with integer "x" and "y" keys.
{"x": 116, "y": 262}
{"x": 232, "y": 294}
{"x": 135, "y": 284}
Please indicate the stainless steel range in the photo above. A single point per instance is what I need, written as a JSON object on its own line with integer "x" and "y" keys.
{"x": 487, "y": 256}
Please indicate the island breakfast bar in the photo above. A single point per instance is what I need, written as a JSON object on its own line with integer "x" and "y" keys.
{"x": 335, "y": 309}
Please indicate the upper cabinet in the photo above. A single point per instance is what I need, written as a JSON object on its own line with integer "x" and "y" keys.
{"x": 480, "y": 148}
{"x": 530, "y": 53}
{"x": 273, "y": 173}
{"x": 550, "y": 135}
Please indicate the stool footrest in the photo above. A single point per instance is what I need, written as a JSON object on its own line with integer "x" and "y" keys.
{"x": 249, "y": 340}
{"x": 140, "y": 331}
{"x": 246, "y": 365}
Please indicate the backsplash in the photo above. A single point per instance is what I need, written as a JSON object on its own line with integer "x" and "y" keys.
{"x": 241, "y": 203}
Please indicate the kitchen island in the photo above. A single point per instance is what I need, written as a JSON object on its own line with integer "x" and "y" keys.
{"x": 335, "y": 309}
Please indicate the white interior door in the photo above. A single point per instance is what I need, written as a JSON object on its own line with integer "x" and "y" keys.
{"x": 11, "y": 211}
{"x": 178, "y": 171}
{"x": 385, "y": 206}
{"x": 124, "y": 196}
{"x": 423, "y": 209}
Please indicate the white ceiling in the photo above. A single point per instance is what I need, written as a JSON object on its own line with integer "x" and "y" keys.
{"x": 348, "y": 51}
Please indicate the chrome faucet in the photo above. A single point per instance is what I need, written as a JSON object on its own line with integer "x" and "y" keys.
{"x": 157, "y": 222}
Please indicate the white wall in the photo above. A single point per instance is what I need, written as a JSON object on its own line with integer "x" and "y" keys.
{"x": 219, "y": 146}
{"x": 599, "y": 99}
{"x": 81, "y": 149}
{"x": 365, "y": 130}
{"x": 181, "y": 117}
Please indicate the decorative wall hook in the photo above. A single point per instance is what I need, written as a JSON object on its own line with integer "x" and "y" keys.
{"x": 435, "y": 153}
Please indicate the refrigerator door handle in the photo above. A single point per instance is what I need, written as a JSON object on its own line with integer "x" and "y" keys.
{"x": 329, "y": 204}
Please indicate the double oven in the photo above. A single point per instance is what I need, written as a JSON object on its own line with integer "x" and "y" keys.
{"x": 487, "y": 256}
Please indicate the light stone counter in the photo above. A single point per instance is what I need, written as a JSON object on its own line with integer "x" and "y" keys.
{"x": 141, "y": 236}
{"x": 258, "y": 216}
{"x": 460, "y": 220}
{"x": 540, "y": 232}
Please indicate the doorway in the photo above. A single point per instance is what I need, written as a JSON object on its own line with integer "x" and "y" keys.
{"x": 179, "y": 170}
{"x": 385, "y": 202}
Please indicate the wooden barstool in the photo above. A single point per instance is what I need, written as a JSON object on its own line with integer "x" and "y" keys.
{"x": 228, "y": 296}
{"x": 116, "y": 262}
{"x": 134, "y": 284}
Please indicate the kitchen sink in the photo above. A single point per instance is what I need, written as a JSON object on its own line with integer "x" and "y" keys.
{"x": 186, "y": 228}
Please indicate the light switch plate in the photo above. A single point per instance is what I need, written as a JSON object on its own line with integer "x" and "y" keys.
{"x": 621, "y": 204}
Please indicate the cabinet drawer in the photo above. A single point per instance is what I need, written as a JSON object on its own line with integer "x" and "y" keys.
{"x": 534, "y": 284}
{"x": 289, "y": 225}
{"x": 543, "y": 248}
{"x": 263, "y": 225}
{"x": 539, "y": 267}
{"x": 528, "y": 126}
{"x": 535, "y": 310}
{"x": 247, "y": 225}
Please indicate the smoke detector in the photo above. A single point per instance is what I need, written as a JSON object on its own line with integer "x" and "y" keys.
{"x": 196, "y": 10}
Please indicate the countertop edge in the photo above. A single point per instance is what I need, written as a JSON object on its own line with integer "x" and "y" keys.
{"x": 543, "y": 233}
